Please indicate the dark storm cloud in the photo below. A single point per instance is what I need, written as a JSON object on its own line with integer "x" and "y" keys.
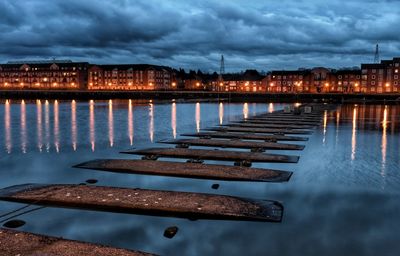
{"x": 193, "y": 34}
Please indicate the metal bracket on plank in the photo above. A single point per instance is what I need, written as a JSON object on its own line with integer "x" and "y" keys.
{"x": 244, "y": 163}
{"x": 150, "y": 157}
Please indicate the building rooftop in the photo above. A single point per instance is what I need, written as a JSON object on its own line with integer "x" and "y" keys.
{"x": 21, "y": 62}
{"x": 132, "y": 67}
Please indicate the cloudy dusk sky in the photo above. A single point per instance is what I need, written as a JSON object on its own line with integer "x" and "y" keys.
{"x": 264, "y": 35}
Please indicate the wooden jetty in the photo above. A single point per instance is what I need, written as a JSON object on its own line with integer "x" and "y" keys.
{"x": 145, "y": 202}
{"x": 203, "y": 154}
{"x": 278, "y": 126}
{"x": 246, "y": 136}
{"x": 223, "y": 143}
{"x": 23, "y": 243}
{"x": 258, "y": 130}
{"x": 187, "y": 170}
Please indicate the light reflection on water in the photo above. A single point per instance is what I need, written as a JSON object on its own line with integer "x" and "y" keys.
{"x": 354, "y": 135}
{"x": 23, "y": 127}
{"x": 73, "y": 125}
{"x": 7, "y": 124}
{"x": 198, "y": 114}
{"x": 245, "y": 110}
{"x": 384, "y": 140}
{"x": 39, "y": 125}
{"x": 47, "y": 125}
{"x": 56, "y": 127}
{"x": 151, "y": 120}
{"x": 110, "y": 123}
{"x": 221, "y": 113}
{"x": 92, "y": 123}
{"x": 130, "y": 123}
{"x": 173, "y": 120}
{"x": 342, "y": 198}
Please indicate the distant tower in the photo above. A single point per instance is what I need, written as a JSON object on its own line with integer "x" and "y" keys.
{"x": 376, "y": 59}
{"x": 222, "y": 67}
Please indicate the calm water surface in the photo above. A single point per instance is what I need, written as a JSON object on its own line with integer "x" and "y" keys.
{"x": 343, "y": 198}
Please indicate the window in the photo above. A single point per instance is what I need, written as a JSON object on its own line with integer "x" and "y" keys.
{"x": 373, "y": 77}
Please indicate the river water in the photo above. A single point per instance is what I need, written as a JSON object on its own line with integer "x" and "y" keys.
{"x": 343, "y": 198}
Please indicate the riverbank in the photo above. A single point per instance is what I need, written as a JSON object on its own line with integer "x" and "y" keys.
{"x": 187, "y": 95}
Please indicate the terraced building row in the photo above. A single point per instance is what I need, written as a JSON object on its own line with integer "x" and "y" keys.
{"x": 67, "y": 75}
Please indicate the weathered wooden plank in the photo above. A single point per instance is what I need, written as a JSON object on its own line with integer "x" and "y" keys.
{"x": 187, "y": 170}
{"x": 266, "y": 125}
{"x": 23, "y": 243}
{"x": 223, "y": 155}
{"x": 246, "y": 136}
{"x": 145, "y": 202}
{"x": 309, "y": 115}
{"x": 282, "y": 122}
{"x": 234, "y": 144}
{"x": 258, "y": 130}
{"x": 286, "y": 118}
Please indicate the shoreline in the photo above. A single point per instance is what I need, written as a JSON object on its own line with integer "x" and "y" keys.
{"x": 193, "y": 95}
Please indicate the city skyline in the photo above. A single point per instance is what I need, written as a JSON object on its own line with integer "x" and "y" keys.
{"x": 191, "y": 35}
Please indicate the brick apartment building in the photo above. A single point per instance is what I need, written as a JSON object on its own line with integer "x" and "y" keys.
{"x": 130, "y": 77}
{"x": 382, "y": 77}
{"x": 249, "y": 81}
{"x": 317, "y": 80}
{"x": 44, "y": 75}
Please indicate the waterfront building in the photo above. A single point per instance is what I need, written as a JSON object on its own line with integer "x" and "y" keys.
{"x": 131, "y": 77}
{"x": 381, "y": 77}
{"x": 348, "y": 81}
{"x": 249, "y": 81}
{"x": 44, "y": 75}
{"x": 316, "y": 80}
{"x": 288, "y": 81}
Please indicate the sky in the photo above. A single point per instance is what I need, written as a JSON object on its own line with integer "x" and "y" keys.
{"x": 191, "y": 34}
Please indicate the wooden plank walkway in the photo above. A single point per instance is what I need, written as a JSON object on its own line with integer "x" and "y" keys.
{"x": 277, "y": 126}
{"x": 145, "y": 202}
{"x": 203, "y": 154}
{"x": 187, "y": 170}
{"x": 258, "y": 130}
{"x": 233, "y": 144}
{"x": 23, "y": 243}
{"x": 246, "y": 136}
